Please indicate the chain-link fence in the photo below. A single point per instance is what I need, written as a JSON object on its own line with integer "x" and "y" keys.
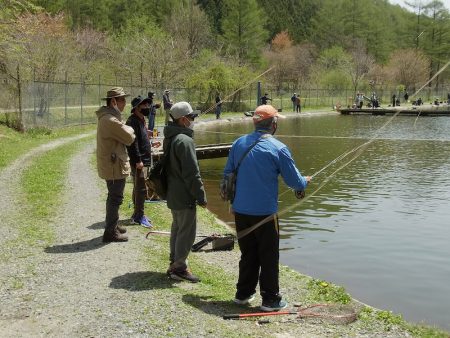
{"x": 37, "y": 103}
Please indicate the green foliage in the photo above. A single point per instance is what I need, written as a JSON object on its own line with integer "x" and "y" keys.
{"x": 292, "y": 16}
{"x": 244, "y": 35}
{"x": 331, "y": 69}
{"x": 154, "y": 42}
{"x": 321, "y": 291}
{"x": 213, "y": 75}
{"x": 334, "y": 80}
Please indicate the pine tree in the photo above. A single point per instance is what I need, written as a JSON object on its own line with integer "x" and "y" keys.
{"x": 244, "y": 35}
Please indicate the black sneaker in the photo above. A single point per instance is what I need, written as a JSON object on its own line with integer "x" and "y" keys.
{"x": 184, "y": 275}
{"x": 273, "y": 306}
{"x": 244, "y": 301}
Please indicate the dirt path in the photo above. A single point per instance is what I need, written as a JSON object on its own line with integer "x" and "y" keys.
{"x": 9, "y": 182}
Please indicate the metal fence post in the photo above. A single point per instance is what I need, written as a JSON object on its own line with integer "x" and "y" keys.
{"x": 19, "y": 92}
{"x": 81, "y": 100}
{"x": 65, "y": 98}
{"x": 34, "y": 96}
{"x": 99, "y": 91}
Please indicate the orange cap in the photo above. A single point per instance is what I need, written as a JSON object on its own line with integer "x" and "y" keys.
{"x": 266, "y": 111}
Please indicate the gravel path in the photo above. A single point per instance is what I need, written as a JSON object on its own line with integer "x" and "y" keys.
{"x": 66, "y": 290}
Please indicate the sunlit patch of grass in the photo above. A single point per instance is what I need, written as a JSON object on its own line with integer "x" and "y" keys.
{"x": 322, "y": 291}
{"x": 43, "y": 183}
{"x": 13, "y": 144}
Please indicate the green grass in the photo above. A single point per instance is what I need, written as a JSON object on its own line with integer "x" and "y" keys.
{"x": 14, "y": 144}
{"x": 43, "y": 184}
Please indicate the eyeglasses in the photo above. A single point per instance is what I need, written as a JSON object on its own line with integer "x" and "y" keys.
{"x": 190, "y": 117}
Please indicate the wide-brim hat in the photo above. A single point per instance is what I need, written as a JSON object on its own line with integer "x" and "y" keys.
{"x": 266, "y": 111}
{"x": 115, "y": 92}
{"x": 139, "y": 100}
{"x": 181, "y": 109}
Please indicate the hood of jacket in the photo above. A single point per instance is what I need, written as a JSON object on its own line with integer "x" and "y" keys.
{"x": 104, "y": 110}
{"x": 173, "y": 129}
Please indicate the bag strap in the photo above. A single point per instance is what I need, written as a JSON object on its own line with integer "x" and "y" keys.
{"x": 167, "y": 152}
{"x": 248, "y": 150}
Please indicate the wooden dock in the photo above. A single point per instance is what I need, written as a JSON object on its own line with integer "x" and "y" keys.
{"x": 426, "y": 110}
{"x": 203, "y": 151}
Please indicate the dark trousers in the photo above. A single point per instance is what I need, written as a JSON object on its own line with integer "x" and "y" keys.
{"x": 139, "y": 191}
{"x": 218, "y": 111}
{"x": 113, "y": 202}
{"x": 259, "y": 258}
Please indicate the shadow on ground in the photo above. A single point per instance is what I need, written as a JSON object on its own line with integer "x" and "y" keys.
{"x": 141, "y": 281}
{"x": 101, "y": 225}
{"x": 91, "y": 244}
{"x": 216, "y": 307}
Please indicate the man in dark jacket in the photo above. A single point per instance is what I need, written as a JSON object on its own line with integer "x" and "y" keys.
{"x": 218, "y": 106}
{"x": 167, "y": 104}
{"x": 153, "y": 108}
{"x": 185, "y": 188}
{"x": 265, "y": 99}
{"x": 139, "y": 152}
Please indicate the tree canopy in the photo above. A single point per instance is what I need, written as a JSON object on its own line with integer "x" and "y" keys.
{"x": 330, "y": 43}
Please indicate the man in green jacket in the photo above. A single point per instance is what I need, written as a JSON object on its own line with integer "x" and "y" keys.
{"x": 112, "y": 158}
{"x": 185, "y": 188}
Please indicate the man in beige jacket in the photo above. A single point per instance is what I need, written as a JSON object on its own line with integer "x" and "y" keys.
{"x": 112, "y": 159}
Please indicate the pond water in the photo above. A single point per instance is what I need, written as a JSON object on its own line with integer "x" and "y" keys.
{"x": 380, "y": 227}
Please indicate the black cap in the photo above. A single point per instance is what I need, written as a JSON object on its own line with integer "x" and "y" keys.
{"x": 138, "y": 100}
{"x": 151, "y": 94}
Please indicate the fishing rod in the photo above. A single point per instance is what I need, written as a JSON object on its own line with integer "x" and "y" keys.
{"x": 237, "y": 90}
{"x": 358, "y": 150}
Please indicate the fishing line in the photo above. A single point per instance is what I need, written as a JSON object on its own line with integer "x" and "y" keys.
{"x": 237, "y": 90}
{"x": 358, "y": 150}
{"x": 437, "y": 73}
{"x": 338, "y": 137}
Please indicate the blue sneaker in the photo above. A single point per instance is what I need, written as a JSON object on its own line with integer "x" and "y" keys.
{"x": 144, "y": 221}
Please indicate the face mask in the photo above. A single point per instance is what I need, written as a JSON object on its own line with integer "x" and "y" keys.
{"x": 190, "y": 125}
{"x": 116, "y": 107}
{"x": 145, "y": 111}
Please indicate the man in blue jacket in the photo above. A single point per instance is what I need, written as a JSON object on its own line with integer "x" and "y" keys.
{"x": 256, "y": 200}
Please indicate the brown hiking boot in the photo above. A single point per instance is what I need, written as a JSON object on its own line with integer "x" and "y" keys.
{"x": 184, "y": 275}
{"x": 121, "y": 229}
{"x": 114, "y": 236}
